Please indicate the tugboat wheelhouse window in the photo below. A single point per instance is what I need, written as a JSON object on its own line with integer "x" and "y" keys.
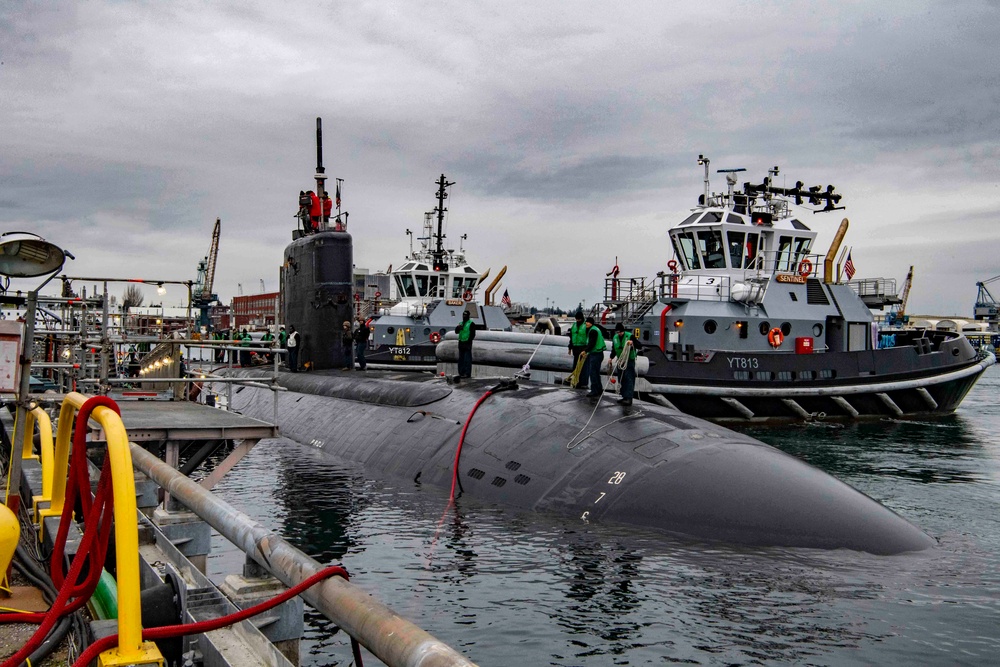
{"x": 711, "y": 216}
{"x": 405, "y": 285}
{"x": 685, "y": 244}
{"x": 691, "y": 218}
{"x": 753, "y": 241}
{"x": 710, "y": 243}
{"x": 737, "y": 243}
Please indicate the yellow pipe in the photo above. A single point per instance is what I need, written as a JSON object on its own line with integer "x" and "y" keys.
{"x": 131, "y": 649}
{"x": 487, "y": 298}
{"x": 45, "y": 449}
{"x": 832, "y": 253}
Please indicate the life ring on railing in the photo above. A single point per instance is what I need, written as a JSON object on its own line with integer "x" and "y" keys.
{"x": 805, "y": 267}
{"x": 775, "y": 337}
{"x": 435, "y": 337}
{"x": 467, "y": 296}
{"x": 672, "y": 265}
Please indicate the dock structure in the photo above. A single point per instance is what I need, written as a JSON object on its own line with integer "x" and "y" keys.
{"x": 156, "y": 440}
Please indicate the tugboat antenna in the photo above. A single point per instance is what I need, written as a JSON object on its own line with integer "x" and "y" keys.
{"x": 704, "y": 160}
{"x": 439, "y": 253}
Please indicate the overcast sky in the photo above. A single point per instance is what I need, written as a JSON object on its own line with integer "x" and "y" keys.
{"x": 571, "y": 129}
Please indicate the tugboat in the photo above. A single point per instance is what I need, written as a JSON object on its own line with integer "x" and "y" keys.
{"x": 745, "y": 326}
{"x": 435, "y": 286}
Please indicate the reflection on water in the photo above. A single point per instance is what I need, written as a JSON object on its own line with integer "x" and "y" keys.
{"x": 516, "y": 587}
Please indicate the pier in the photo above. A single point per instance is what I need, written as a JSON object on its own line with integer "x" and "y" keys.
{"x": 139, "y": 440}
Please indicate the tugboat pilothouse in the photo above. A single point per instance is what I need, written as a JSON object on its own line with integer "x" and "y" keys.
{"x": 435, "y": 286}
{"x": 750, "y": 324}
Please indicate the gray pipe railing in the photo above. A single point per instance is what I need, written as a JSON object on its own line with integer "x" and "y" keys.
{"x": 392, "y": 639}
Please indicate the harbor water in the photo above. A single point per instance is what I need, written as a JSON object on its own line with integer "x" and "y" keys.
{"x": 512, "y": 587}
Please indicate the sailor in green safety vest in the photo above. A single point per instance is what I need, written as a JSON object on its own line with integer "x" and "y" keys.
{"x": 578, "y": 345}
{"x": 595, "y": 358}
{"x": 266, "y": 341}
{"x": 244, "y": 354}
{"x": 466, "y": 334}
{"x": 624, "y": 344}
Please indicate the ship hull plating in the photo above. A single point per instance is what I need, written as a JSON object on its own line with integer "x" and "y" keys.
{"x": 531, "y": 447}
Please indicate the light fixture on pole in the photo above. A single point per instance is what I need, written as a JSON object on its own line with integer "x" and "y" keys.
{"x": 26, "y": 255}
{"x": 160, "y": 289}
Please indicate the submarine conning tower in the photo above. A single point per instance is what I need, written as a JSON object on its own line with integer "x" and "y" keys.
{"x": 317, "y": 281}
{"x": 317, "y": 276}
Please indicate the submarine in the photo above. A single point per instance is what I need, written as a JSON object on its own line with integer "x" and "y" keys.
{"x": 543, "y": 447}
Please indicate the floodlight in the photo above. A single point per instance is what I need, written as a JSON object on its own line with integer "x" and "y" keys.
{"x": 26, "y": 255}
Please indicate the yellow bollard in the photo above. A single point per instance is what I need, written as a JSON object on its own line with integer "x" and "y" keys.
{"x": 10, "y": 533}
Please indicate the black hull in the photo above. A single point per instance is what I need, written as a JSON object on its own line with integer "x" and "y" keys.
{"x": 546, "y": 448}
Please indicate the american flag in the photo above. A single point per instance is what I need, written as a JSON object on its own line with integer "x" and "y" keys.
{"x": 505, "y": 301}
{"x": 849, "y": 266}
{"x": 338, "y": 194}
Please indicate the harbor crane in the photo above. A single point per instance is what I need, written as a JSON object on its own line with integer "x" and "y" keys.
{"x": 986, "y": 306}
{"x": 897, "y": 316}
{"x": 202, "y": 295}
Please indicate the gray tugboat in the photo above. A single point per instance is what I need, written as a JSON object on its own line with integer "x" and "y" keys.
{"x": 749, "y": 324}
{"x": 435, "y": 286}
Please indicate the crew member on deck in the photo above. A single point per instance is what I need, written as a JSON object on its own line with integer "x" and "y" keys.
{"x": 619, "y": 343}
{"x": 315, "y": 211}
{"x": 293, "y": 349}
{"x": 578, "y": 344}
{"x": 327, "y": 207}
{"x": 266, "y": 341}
{"x": 347, "y": 343}
{"x": 595, "y": 358}
{"x": 466, "y": 334}
{"x": 361, "y": 335}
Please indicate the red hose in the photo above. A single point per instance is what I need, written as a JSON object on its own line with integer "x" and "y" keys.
{"x": 461, "y": 441}
{"x": 93, "y": 544}
{"x": 169, "y": 631}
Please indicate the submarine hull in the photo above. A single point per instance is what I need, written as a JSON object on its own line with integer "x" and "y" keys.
{"x": 532, "y": 447}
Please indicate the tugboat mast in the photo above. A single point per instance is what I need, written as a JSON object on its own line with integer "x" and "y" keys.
{"x": 439, "y": 254}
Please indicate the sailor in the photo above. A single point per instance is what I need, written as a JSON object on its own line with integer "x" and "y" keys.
{"x": 577, "y": 344}
{"x": 282, "y": 337}
{"x": 315, "y": 211}
{"x": 595, "y": 358}
{"x": 361, "y": 334}
{"x": 347, "y": 343}
{"x": 303, "y": 215}
{"x": 244, "y": 343}
{"x": 292, "y": 344}
{"x": 623, "y": 343}
{"x": 266, "y": 341}
{"x": 327, "y": 206}
{"x": 466, "y": 334}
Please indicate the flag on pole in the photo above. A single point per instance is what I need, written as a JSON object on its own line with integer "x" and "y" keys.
{"x": 849, "y": 266}
{"x": 338, "y": 194}
{"x": 505, "y": 301}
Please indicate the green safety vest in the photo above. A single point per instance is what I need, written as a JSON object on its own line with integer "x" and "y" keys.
{"x": 463, "y": 335}
{"x": 245, "y": 341}
{"x": 618, "y": 344}
{"x": 578, "y": 335}
{"x": 601, "y": 345}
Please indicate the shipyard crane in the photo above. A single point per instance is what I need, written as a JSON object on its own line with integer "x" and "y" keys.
{"x": 202, "y": 295}
{"x": 897, "y": 314}
{"x": 986, "y": 306}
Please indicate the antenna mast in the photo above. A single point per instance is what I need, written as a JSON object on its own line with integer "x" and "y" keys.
{"x": 440, "y": 264}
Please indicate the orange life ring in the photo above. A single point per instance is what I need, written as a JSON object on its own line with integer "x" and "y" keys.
{"x": 775, "y": 337}
{"x": 467, "y": 296}
{"x": 435, "y": 337}
{"x": 805, "y": 267}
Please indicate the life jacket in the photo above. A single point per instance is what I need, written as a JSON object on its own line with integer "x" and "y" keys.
{"x": 578, "y": 334}
{"x": 327, "y": 207}
{"x": 465, "y": 332}
{"x": 618, "y": 344}
{"x": 315, "y": 206}
{"x": 599, "y": 345}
